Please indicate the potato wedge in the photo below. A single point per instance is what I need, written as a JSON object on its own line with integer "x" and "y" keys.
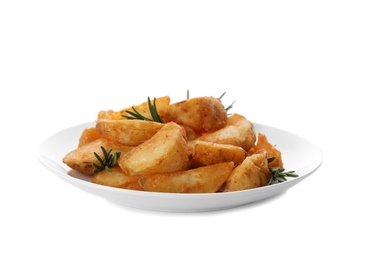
{"x": 238, "y": 132}
{"x": 88, "y": 135}
{"x": 202, "y": 114}
{"x": 260, "y": 160}
{"x": 81, "y": 159}
{"x": 272, "y": 151}
{"x": 127, "y": 132}
{"x": 209, "y": 153}
{"x": 116, "y": 178}
{"x": 244, "y": 176}
{"x": 207, "y": 179}
{"x": 161, "y": 103}
{"x": 190, "y": 133}
{"x": 166, "y": 151}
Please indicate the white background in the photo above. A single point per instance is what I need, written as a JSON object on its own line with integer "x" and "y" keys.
{"x": 303, "y": 66}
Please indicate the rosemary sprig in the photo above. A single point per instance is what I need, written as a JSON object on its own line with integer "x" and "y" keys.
{"x": 222, "y": 95}
{"x": 108, "y": 161}
{"x": 278, "y": 174}
{"x": 228, "y": 107}
{"x": 153, "y": 111}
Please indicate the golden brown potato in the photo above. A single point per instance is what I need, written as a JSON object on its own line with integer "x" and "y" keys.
{"x": 161, "y": 104}
{"x": 202, "y": 114}
{"x": 207, "y": 179}
{"x": 127, "y": 132}
{"x": 190, "y": 133}
{"x": 238, "y": 132}
{"x": 116, "y": 178}
{"x": 88, "y": 135}
{"x": 81, "y": 159}
{"x": 244, "y": 176}
{"x": 262, "y": 143}
{"x": 166, "y": 151}
{"x": 260, "y": 160}
{"x": 209, "y": 153}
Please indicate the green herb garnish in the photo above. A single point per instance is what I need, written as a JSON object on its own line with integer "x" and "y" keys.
{"x": 279, "y": 174}
{"x": 230, "y": 106}
{"x": 108, "y": 161}
{"x": 153, "y": 111}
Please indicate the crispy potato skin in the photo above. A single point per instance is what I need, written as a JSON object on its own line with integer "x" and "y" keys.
{"x": 81, "y": 159}
{"x": 127, "y": 132}
{"x": 260, "y": 160}
{"x": 238, "y": 132}
{"x": 166, "y": 151}
{"x": 202, "y": 114}
{"x": 207, "y": 179}
{"x": 116, "y": 178}
{"x": 253, "y": 172}
{"x": 263, "y": 144}
{"x": 162, "y": 103}
{"x": 209, "y": 153}
{"x": 244, "y": 176}
{"x": 88, "y": 135}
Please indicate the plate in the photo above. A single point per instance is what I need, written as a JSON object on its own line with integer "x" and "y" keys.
{"x": 298, "y": 154}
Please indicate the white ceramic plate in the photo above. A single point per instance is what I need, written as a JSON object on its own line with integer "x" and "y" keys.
{"x": 298, "y": 154}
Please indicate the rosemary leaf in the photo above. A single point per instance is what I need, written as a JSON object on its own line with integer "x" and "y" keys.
{"x": 279, "y": 174}
{"x": 99, "y": 158}
{"x": 152, "y": 109}
{"x": 230, "y": 106}
{"x": 108, "y": 161}
{"x": 222, "y": 95}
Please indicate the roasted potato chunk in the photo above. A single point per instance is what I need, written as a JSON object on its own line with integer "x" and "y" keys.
{"x": 244, "y": 176}
{"x": 260, "y": 160}
{"x": 207, "y": 179}
{"x": 88, "y": 135}
{"x": 116, "y": 178}
{"x": 211, "y": 153}
{"x": 162, "y": 103}
{"x": 166, "y": 151}
{"x": 82, "y": 158}
{"x": 238, "y": 132}
{"x": 190, "y": 133}
{"x": 263, "y": 144}
{"x": 127, "y": 132}
{"x": 202, "y": 114}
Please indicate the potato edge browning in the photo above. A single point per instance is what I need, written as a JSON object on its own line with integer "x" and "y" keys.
{"x": 127, "y": 132}
{"x": 209, "y": 153}
{"x": 88, "y": 135}
{"x": 238, "y": 131}
{"x": 207, "y": 179}
{"x": 117, "y": 179}
{"x": 245, "y": 176}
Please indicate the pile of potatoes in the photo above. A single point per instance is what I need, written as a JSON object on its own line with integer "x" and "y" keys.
{"x": 198, "y": 149}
